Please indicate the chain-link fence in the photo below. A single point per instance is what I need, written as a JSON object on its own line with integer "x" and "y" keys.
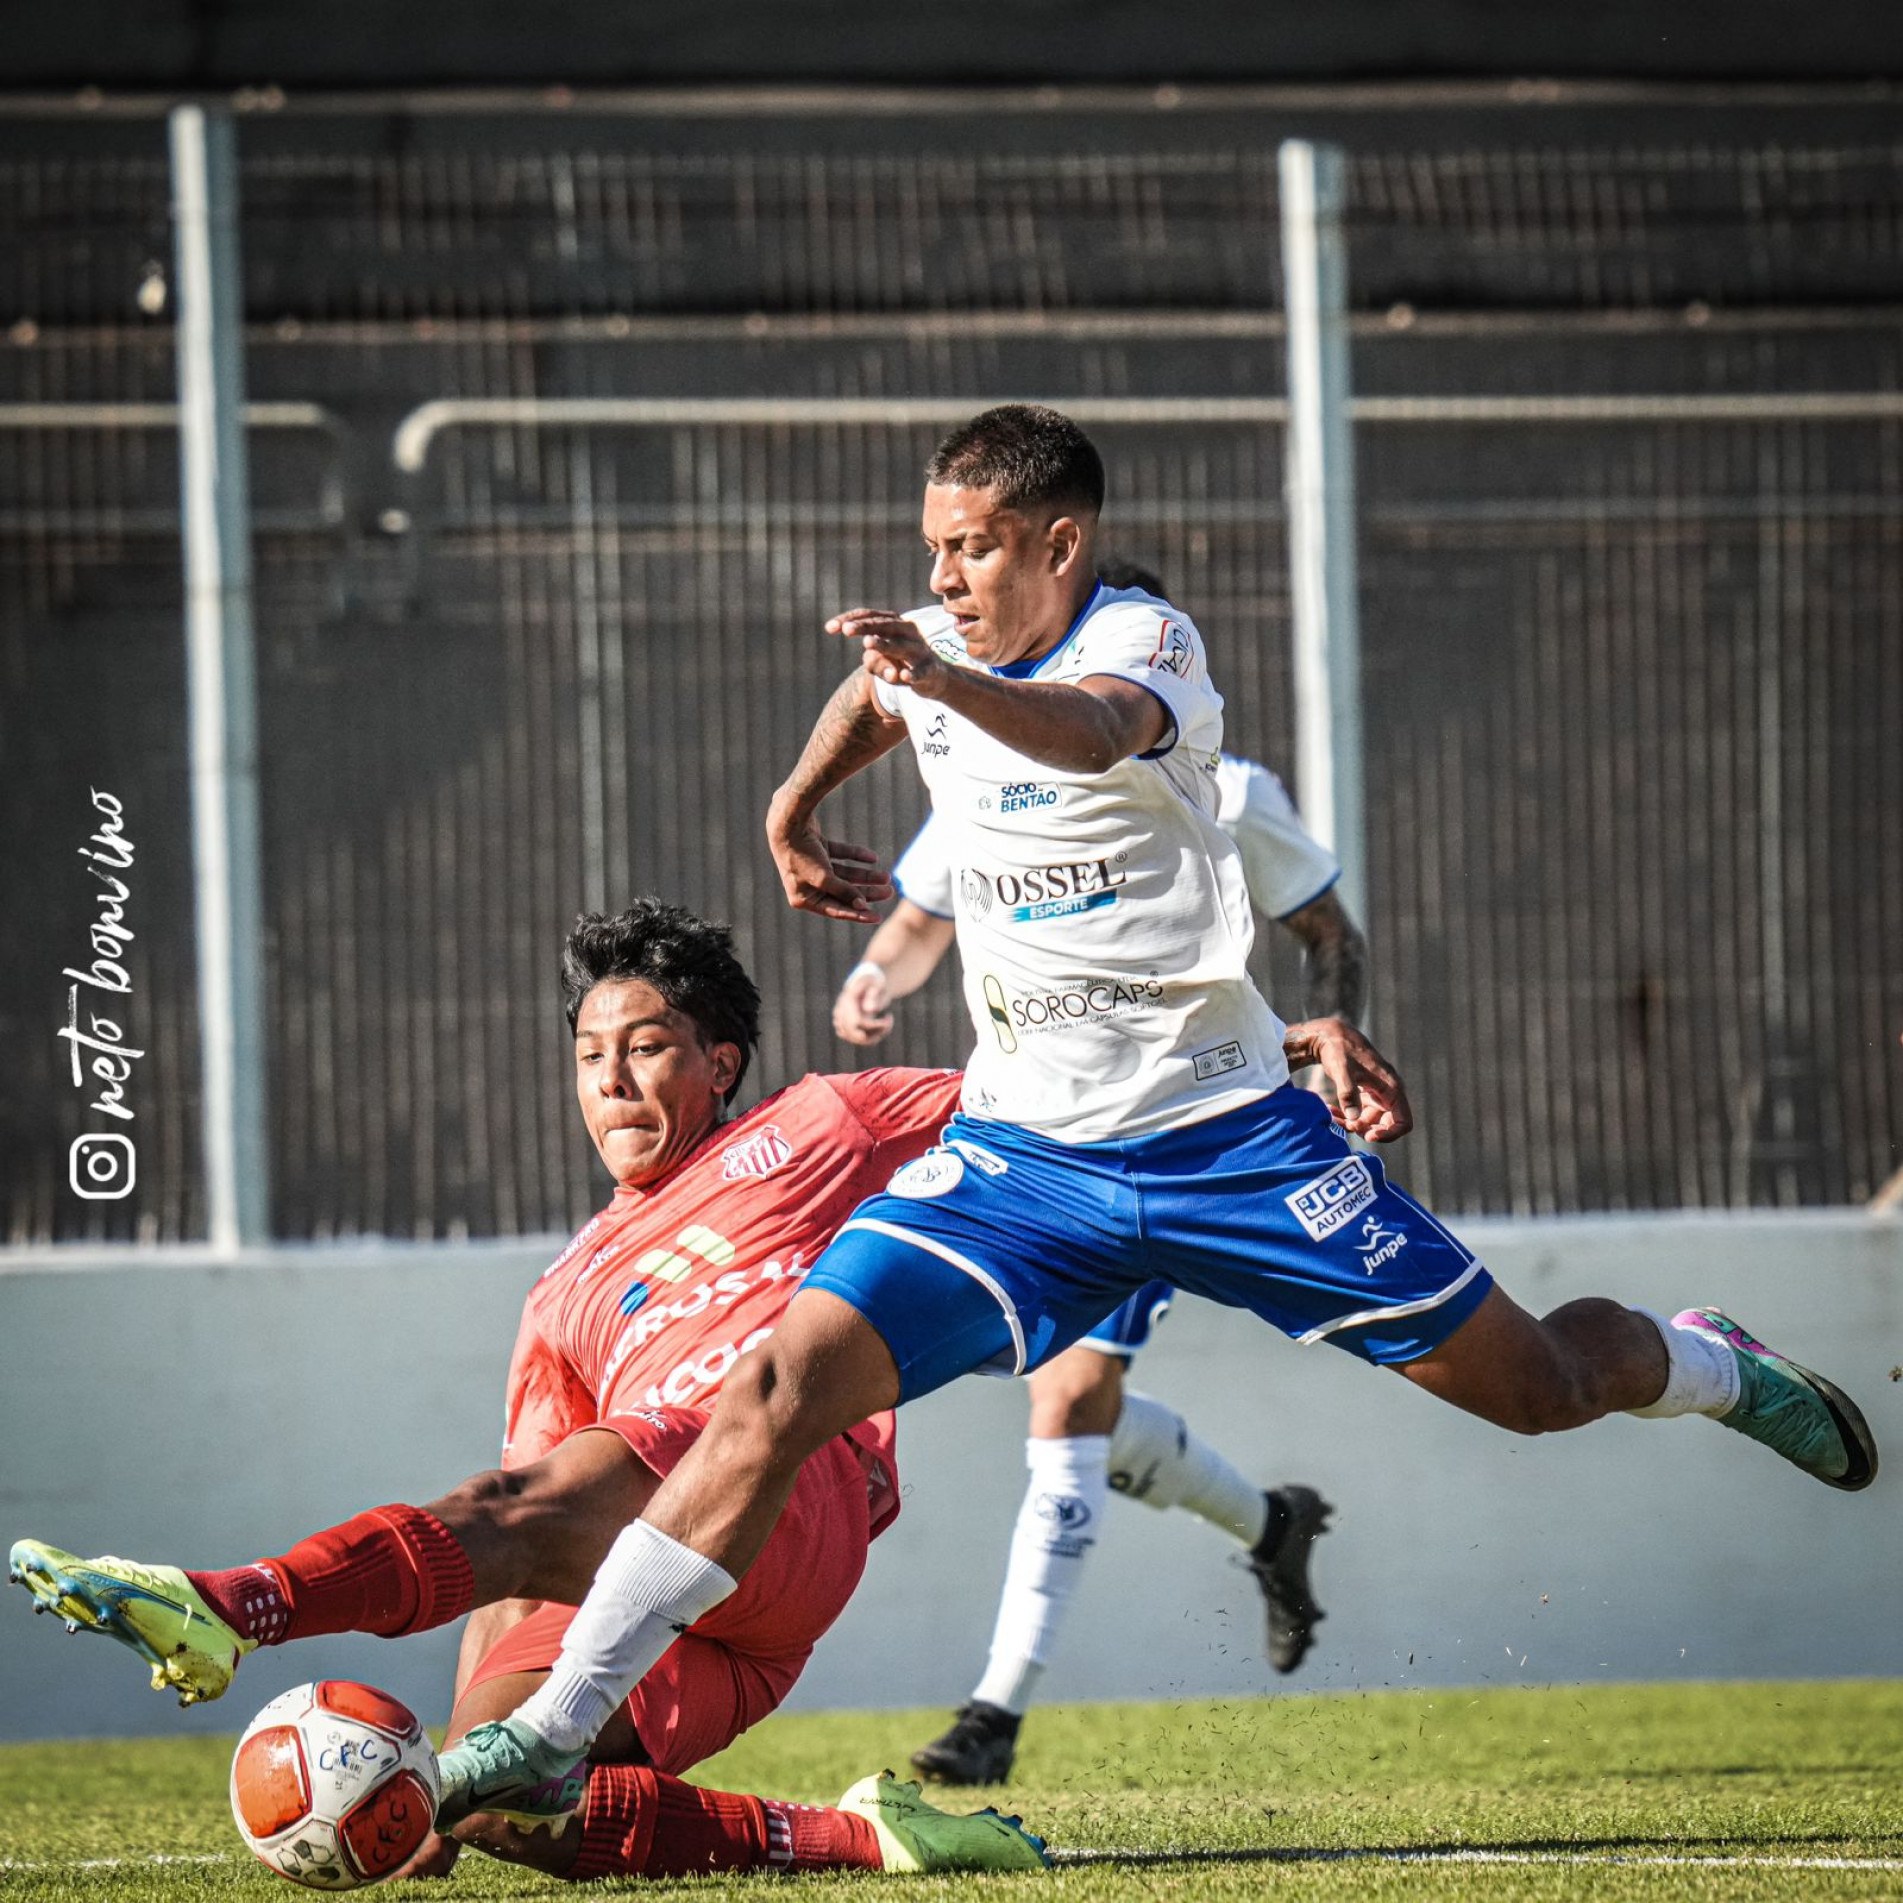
{"x": 1634, "y": 676}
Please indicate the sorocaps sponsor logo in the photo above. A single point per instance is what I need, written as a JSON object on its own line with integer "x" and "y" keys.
{"x": 1089, "y": 1001}
{"x": 1324, "y": 1205}
{"x": 1044, "y": 892}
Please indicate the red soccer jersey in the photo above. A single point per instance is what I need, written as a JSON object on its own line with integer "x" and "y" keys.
{"x": 656, "y": 1298}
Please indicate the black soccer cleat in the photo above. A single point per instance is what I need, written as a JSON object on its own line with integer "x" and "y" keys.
{"x": 1298, "y": 1517}
{"x": 978, "y": 1749}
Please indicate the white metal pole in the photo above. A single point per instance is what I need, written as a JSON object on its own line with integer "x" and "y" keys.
{"x": 1320, "y": 479}
{"x": 221, "y": 678}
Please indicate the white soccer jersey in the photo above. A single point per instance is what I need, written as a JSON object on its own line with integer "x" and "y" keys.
{"x": 1103, "y": 919}
{"x": 1284, "y": 866}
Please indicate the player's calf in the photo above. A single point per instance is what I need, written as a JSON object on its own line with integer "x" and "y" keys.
{"x": 1585, "y": 1360}
{"x": 1593, "y": 1357}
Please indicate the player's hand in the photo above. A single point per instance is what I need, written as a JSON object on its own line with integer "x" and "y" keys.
{"x": 862, "y": 1013}
{"x": 435, "y": 1857}
{"x": 1370, "y": 1101}
{"x": 827, "y": 876}
{"x": 895, "y": 652}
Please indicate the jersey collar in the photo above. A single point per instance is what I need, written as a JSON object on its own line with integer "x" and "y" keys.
{"x": 1023, "y": 670}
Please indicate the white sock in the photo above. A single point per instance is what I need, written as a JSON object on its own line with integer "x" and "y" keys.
{"x": 646, "y": 1593}
{"x": 1156, "y": 1459}
{"x": 1057, "y": 1526}
{"x": 1701, "y": 1375}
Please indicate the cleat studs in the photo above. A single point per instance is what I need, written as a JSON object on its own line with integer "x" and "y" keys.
{"x": 72, "y": 1625}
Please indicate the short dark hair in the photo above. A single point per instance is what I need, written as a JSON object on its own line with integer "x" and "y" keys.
{"x": 691, "y": 963}
{"x": 1031, "y": 456}
{"x": 1114, "y": 574}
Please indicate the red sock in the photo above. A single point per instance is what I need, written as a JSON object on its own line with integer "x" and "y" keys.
{"x": 642, "y": 1823}
{"x": 392, "y": 1570}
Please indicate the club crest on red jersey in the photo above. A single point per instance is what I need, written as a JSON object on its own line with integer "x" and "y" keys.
{"x": 758, "y": 1155}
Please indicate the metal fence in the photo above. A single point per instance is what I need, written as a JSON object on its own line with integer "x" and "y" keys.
{"x": 1633, "y": 668}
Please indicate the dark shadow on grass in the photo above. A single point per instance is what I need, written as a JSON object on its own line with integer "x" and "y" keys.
{"x": 1608, "y": 1848}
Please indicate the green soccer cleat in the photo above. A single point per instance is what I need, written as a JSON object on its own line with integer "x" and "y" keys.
{"x": 1812, "y": 1422}
{"x": 915, "y": 1836}
{"x": 154, "y": 1609}
{"x": 507, "y": 1769}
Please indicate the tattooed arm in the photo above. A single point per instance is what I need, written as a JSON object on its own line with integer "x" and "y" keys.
{"x": 1336, "y": 955}
{"x": 823, "y": 875}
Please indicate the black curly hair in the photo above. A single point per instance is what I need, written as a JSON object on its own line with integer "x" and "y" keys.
{"x": 691, "y": 963}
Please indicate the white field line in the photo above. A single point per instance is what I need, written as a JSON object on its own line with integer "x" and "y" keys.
{"x": 113, "y": 1863}
{"x": 1609, "y": 1859}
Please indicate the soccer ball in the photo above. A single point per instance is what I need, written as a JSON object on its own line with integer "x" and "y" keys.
{"x": 334, "y": 1785}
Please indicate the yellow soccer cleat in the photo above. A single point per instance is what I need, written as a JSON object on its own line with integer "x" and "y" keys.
{"x": 914, "y": 1835}
{"x": 154, "y": 1609}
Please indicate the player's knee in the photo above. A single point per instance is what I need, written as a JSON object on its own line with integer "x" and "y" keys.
{"x": 497, "y": 1498}
{"x": 1079, "y": 1393}
{"x": 759, "y": 1421}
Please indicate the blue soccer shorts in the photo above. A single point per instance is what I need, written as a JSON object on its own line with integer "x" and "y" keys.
{"x": 1000, "y": 1247}
{"x": 1121, "y": 1334}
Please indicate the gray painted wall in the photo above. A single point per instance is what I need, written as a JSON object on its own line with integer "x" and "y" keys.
{"x": 168, "y": 1408}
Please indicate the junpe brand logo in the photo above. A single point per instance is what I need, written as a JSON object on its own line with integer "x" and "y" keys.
{"x": 1380, "y": 1245}
{"x": 1324, "y": 1205}
{"x": 102, "y": 1168}
{"x": 937, "y": 740}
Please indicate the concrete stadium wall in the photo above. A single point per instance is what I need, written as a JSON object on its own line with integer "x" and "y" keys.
{"x": 172, "y": 1408}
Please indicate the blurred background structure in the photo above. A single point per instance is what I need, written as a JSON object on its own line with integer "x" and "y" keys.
{"x": 1630, "y": 437}
{"x": 571, "y": 412}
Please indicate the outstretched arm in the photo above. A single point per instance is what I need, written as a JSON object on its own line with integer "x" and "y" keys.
{"x": 825, "y": 875}
{"x": 1336, "y": 955}
{"x": 1087, "y": 728}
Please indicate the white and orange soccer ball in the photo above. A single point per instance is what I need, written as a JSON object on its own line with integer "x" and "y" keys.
{"x": 334, "y": 1785}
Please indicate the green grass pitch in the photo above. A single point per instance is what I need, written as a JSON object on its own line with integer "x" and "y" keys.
{"x": 1650, "y": 1792}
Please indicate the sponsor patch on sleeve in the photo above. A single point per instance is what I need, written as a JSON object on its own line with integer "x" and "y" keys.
{"x": 1321, "y": 1207}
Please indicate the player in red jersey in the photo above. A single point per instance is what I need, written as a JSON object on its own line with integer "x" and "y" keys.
{"x": 624, "y": 1342}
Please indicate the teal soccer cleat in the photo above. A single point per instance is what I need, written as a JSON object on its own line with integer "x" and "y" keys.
{"x": 1812, "y": 1422}
{"x": 509, "y": 1770}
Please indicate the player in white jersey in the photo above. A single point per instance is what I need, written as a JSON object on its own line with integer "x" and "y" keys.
{"x": 1127, "y": 1112}
{"x": 1090, "y": 1435}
